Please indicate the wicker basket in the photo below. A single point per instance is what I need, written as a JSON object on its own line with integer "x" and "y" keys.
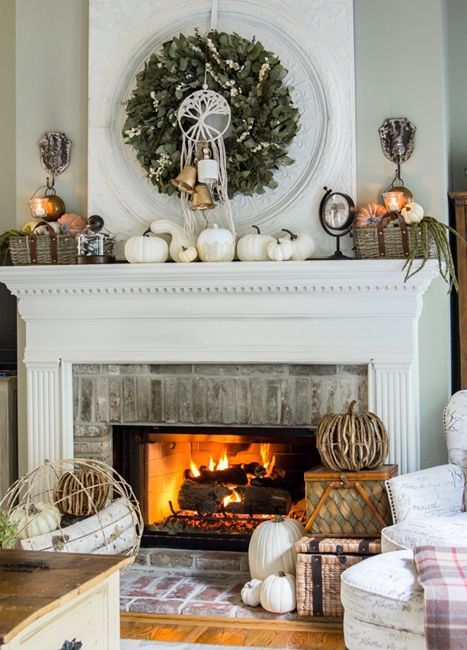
{"x": 320, "y": 563}
{"x": 347, "y": 504}
{"x": 391, "y": 238}
{"x": 43, "y": 249}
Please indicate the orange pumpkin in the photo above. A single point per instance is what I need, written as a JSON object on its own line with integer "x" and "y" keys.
{"x": 72, "y": 224}
{"x": 369, "y": 215}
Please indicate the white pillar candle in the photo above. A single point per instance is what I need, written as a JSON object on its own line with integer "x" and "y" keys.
{"x": 208, "y": 170}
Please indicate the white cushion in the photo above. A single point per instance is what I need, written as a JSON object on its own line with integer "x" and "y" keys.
{"x": 437, "y": 491}
{"x": 383, "y": 590}
{"x": 439, "y": 531}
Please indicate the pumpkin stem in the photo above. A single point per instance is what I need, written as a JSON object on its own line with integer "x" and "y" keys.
{"x": 293, "y": 236}
{"x": 280, "y": 574}
{"x": 184, "y": 248}
{"x": 352, "y": 407}
{"x": 278, "y": 518}
{"x": 146, "y": 232}
{"x": 257, "y": 229}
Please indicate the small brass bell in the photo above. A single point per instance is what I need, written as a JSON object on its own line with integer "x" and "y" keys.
{"x": 202, "y": 199}
{"x": 186, "y": 180}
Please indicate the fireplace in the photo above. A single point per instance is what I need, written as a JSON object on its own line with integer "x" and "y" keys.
{"x": 209, "y": 487}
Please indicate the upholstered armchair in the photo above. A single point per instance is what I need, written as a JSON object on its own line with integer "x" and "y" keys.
{"x": 382, "y": 599}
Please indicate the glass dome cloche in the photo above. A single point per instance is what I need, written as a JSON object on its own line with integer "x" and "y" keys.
{"x": 95, "y": 243}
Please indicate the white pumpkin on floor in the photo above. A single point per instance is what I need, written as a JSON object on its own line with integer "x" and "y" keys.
{"x": 278, "y": 593}
{"x": 271, "y": 547}
{"x": 251, "y": 592}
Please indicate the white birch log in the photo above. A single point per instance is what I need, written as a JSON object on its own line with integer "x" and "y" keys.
{"x": 126, "y": 540}
{"x": 87, "y": 535}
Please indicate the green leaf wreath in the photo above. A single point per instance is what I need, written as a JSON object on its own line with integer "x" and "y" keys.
{"x": 264, "y": 118}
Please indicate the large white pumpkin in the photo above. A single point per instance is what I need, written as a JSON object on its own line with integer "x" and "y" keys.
{"x": 278, "y": 593}
{"x": 146, "y": 250}
{"x": 36, "y": 519}
{"x": 253, "y": 247}
{"x": 216, "y": 245}
{"x": 271, "y": 547}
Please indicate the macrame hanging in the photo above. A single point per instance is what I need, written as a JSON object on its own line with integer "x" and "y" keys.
{"x": 204, "y": 117}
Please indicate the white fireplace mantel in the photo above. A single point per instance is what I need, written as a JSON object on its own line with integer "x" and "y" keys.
{"x": 357, "y": 311}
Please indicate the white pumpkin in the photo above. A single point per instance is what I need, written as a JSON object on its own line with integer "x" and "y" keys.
{"x": 179, "y": 236}
{"x": 146, "y": 249}
{"x": 251, "y": 592}
{"x": 252, "y": 248}
{"x": 187, "y": 254}
{"x": 36, "y": 519}
{"x": 42, "y": 228}
{"x": 280, "y": 250}
{"x": 278, "y": 593}
{"x": 216, "y": 245}
{"x": 303, "y": 244}
{"x": 271, "y": 547}
{"x": 412, "y": 213}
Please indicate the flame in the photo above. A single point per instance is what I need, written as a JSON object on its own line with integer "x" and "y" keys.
{"x": 232, "y": 498}
{"x": 223, "y": 461}
{"x": 267, "y": 461}
{"x": 193, "y": 469}
{"x": 212, "y": 464}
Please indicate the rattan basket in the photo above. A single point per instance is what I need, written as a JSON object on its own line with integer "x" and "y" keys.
{"x": 43, "y": 249}
{"x": 391, "y": 238}
{"x": 320, "y": 563}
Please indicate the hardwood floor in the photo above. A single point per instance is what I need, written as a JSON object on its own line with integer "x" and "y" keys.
{"x": 228, "y": 631}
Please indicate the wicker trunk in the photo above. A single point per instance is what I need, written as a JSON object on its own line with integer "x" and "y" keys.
{"x": 347, "y": 504}
{"x": 320, "y": 562}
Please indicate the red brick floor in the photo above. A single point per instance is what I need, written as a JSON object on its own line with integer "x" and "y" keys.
{"x": 200, "y": 583}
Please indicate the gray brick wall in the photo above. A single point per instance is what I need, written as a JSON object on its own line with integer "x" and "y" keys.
{"x": 247, "y": 394}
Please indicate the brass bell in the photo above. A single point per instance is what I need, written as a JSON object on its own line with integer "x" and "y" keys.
{"x": 201, "y": 198}
{"x": 186, "y": 180}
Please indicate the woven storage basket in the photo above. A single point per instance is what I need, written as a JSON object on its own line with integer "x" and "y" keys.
{"x": 43, "y": 249}
{"x": 320, "y": 563}
{"x": 391, "y": 238}
{"x": 349, "y": 504}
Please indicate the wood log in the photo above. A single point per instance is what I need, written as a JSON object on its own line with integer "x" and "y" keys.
{"x": 254, "y": 468}
{"x": 87, "y": 535}
{"x": 204, "y": 499}
{"x": 261, "y": 501}
{"x": 125, "y": 540}
{"x": 268, "y": 482}
{"x": 233, "y": 475}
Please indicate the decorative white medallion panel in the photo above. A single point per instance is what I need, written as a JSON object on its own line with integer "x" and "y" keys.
{"x": 265, "y": 312}
{"x": 314, "y": 41}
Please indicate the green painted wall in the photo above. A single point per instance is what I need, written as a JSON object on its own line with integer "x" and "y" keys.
{"x": 394, "y": 77}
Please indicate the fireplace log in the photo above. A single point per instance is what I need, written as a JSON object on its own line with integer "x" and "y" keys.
{"x": 254, "y": 468}
{"x": 257, "y": 500}
{"x": 268, "y": 482}
{"x": 233, "y": 474}
{"x": 203, "y": 498}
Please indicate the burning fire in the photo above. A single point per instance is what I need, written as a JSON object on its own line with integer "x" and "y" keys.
{"x": 232, "y": 498}
{"x": 267, "y": 460}
{"x": 193, "y": 469}
{"x": 223, "y": 461}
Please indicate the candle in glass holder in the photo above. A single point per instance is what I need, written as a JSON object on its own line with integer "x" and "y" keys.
{"x": 394, "y": 200}
{"x": 38, "y": 207}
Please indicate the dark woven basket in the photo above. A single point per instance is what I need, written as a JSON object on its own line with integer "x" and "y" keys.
{"x": 391, "y": 238}
{"x": 43, "y": 249}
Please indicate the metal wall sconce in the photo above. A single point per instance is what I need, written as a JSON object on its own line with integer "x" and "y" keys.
{"x": 397, "y": 137}
{"x": 55, "y": 150}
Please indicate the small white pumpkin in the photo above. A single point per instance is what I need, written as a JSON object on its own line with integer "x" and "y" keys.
{"x": 216, "y": 245}
{"x": 303, "y": 244}
{"x": 42, "y": 229}
{"x": 146, "y": 249}
{"x": 36, "y": 519}
{"x": 252, "y": 247}
{"x": 278, "y": 593}
{"x": 251, "y": 592}
{"x": 179, "y": 236}
{"x": 187, "y": 254}
{"x": 280, "y": 250}
{"x": 271, "y": 547}
{"x": 412, "y": 213}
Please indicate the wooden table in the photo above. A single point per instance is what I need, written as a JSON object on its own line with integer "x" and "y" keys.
{"x": 48, "y": 600}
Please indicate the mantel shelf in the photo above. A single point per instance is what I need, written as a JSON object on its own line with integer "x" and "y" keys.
{"x": 235, "y": 277}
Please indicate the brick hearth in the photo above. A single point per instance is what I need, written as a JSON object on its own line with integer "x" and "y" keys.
{"x": 199, "y": 583}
